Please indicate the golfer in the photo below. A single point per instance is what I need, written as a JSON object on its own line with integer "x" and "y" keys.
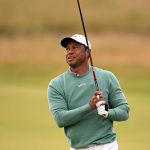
{"x": 86, "y": 115}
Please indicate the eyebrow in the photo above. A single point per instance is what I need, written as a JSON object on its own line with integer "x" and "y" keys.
{"x": 74, "y": 44}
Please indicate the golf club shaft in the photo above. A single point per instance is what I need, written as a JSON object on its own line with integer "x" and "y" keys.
{"x": 91, "y": 61}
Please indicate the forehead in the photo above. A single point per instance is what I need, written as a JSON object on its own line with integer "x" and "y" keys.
{"x": 72, "y": 42}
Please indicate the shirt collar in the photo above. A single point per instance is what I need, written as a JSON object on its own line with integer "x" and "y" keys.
{"x": 78, "y": 75}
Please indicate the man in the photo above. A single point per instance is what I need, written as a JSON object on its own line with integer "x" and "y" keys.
{"x": 78, "y": 108}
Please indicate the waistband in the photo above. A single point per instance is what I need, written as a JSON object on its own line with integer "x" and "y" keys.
{"x": 92, "y": 145}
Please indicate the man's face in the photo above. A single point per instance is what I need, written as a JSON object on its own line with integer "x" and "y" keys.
{"x": 76, "y": 54}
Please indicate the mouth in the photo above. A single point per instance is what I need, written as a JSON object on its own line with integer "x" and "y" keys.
{"x": 70, "y": 58}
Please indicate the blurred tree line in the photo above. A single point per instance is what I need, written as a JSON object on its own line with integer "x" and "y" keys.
{"x": 47, "y": 16}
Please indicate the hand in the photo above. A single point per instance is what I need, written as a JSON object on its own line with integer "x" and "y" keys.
{"x": 102, "y": 108}
{"x": 96, "y": 98}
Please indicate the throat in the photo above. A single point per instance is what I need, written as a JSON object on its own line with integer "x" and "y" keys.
{"x": 80, "y": 70}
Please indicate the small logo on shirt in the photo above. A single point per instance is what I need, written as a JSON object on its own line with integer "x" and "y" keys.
{"x": 82, "y": 84}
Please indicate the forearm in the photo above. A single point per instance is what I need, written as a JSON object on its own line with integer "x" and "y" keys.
{"x": 68, "y": 117}
{"x": 62, "y": 114}
{"x": 120, "y": 113}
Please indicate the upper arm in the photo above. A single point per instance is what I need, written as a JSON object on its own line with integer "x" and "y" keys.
{"x": 116, "y": 95}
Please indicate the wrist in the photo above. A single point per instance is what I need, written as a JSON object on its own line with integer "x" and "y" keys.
{"x": 91, "y": 105}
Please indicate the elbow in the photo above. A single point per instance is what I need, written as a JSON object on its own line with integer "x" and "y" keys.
{"x": 127, "y": 112}
{"x": 122, "y": 117}
{"x": 125, "y": 115}
{"x": 59, "y": 121}
{"x": 60, "y": 124}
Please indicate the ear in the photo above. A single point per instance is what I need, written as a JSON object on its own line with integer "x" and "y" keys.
{"x": 87, "y": 53}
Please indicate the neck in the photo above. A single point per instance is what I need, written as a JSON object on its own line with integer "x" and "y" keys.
{"x": 81, "y": 69}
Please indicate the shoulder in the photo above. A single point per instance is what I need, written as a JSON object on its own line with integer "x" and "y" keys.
{"x": 103, "y": 72}
{"x": 57, "y": 80}
{"x": 106, "y": 75}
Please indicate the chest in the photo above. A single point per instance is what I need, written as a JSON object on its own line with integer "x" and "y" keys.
{"x": 80, "y": 92}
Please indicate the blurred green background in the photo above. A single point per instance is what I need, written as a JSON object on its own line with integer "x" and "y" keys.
{"x": 30, "y": 56}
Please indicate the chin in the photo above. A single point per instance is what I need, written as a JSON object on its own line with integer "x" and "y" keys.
{"x": 72, "y": 65}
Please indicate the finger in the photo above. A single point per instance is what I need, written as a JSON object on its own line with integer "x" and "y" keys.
{"x": 98, "y": 93}
{"x": 99, "y": 97}
{"x": 95, "y": 100}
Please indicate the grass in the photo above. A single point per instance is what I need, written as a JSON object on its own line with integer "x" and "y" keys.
{"x": 119, "y": 33}
{"x": 25, "y": 121}
{"x": 28, "y": 63}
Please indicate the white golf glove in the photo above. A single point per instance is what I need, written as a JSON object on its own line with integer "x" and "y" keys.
{"x": 101, "y": 107}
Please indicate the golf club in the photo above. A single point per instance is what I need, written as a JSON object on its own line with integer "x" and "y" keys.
{"x": 91, "y": 61}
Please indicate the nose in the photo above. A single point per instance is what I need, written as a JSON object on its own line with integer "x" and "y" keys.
{"x": 69, "y": 50}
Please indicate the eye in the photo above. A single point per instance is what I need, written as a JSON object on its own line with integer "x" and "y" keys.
{"x": 76, "y": 46}
{"x": 67, "y": 49}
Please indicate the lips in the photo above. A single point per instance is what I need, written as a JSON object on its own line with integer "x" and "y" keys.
{"x": 70, "y": 58}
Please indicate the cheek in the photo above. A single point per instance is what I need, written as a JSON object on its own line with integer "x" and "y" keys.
{"x": 66, "y": 55}
{"x": 83, "y": 55}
